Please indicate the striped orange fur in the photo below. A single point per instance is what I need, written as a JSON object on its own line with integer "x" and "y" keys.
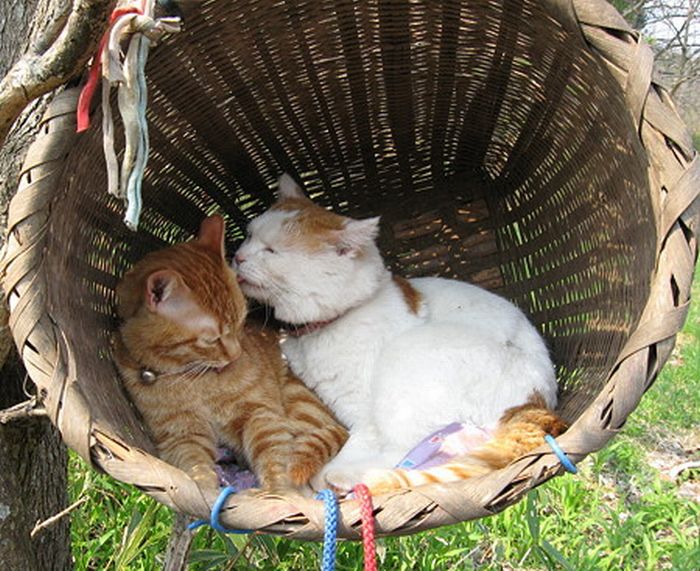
{"x": 218, "y": 380}
{"x": 520, "y": 430}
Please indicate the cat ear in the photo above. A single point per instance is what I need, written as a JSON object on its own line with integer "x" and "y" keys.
{"x": 165, "y": 292}
{"x": 288, "y": 188}
{"x": 211, "y": 234}
{"x": 356, "y": 235}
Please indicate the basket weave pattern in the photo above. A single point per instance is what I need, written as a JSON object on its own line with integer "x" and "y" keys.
{"x": 519, "y": 145}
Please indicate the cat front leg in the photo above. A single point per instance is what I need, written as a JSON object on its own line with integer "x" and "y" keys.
{"x": 313, "y": 447}
{"x": 189, "y": 444}
{"x": 318, "y": 436}
{"x": 266, "y": 441}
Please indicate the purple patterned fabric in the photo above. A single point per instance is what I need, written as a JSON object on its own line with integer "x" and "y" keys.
{"x": 231, "y": 474}
{"x": 454, "y": 440}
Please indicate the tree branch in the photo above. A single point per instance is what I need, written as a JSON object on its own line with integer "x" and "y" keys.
{"x": 179, "y": 544}
{"x": 680, "y": 82}
{"x": 54, "y": 518}
{"x": 38, "y": 73}
{"x": 45, "y": 30}
{"x": 26, "y": 409}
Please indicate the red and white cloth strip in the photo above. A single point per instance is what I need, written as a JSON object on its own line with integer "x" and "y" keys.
{"x": 127, "y": 72}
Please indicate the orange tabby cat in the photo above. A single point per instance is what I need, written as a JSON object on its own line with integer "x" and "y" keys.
{"x": 201, "y": 376}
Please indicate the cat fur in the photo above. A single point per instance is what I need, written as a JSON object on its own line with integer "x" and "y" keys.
{"x": 394, "y": 359}
{"x": 219, "y": 380}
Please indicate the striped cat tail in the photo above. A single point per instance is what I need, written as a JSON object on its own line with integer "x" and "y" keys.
{"x": 384, "y": 481}
{"x": 520, "y": 430}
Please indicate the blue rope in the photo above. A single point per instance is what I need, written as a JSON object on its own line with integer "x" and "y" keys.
{"x": 563, "y": 458}
{"x": 216, "y": 512}
{"x": 330, "y": 532}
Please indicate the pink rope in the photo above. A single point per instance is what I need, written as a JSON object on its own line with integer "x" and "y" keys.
{"x": 367, "y": 515}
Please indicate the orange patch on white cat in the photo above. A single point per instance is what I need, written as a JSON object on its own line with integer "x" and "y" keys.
{"x": 311, "y": 227}
{"x": 410, "y": 294}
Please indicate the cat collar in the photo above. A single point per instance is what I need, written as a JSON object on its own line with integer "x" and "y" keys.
{"x": 310, "y": 327}
{"x": 148, "y": 377}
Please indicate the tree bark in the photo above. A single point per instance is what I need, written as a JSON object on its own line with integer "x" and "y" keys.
{"x": 63, "y": 37}
{"x": 33, "y": 477}
{"x": 33, "y": 460}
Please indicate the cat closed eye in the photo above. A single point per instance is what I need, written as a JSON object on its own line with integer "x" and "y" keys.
{"x": 270, "y": 250}
{"x": 210, "y": 340}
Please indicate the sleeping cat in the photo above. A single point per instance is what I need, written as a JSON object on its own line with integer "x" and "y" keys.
{"x": 394, "y": 359}
{"x": 201, "y": 376}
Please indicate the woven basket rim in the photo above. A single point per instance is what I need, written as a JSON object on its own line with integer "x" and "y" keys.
{"x": 48, "y": 357}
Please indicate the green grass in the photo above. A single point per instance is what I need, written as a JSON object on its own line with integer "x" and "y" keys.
{"x": 620, "y": 512}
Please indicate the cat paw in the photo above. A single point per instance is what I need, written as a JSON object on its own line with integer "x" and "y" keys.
{"x": 342, "y": 481}
{"x": 279, "y": 485}
{"x": 302, "y": 469}
{"x": 318, "y": 482}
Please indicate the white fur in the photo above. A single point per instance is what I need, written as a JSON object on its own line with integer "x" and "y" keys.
{"x": 390, "y": 375}
{"x": 303, "y": 287}
{"x": 288, "y": 188}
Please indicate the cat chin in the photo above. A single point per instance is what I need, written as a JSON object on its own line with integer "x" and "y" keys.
{"x": 253, "y": 291}
{"x": 306, "y": 311}
{"x": 289, "y": 313}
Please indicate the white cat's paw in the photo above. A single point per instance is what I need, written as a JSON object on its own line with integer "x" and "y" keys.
{"x": 343, "y": 481}
{"x": 339, "y": 480}
{"x": 318, "y": 482}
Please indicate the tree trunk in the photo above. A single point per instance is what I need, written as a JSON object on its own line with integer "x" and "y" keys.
{"x": 33, "y": 459}
{"x": 32, "y": 486}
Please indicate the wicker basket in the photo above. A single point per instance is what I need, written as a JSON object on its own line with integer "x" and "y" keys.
{"x": 520, "y": 145}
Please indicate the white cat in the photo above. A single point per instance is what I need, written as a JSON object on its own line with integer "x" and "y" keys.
{"x": 395, "y": 359}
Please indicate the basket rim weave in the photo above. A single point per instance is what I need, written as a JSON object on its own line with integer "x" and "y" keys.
{"x": 675, "y": 178}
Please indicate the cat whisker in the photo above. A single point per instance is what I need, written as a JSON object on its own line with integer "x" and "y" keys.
{"x": 187, "y": 376}
{"x": 268, "y": 313}
{"x": 199, "y": 376}
{"x": 194, "y": 373}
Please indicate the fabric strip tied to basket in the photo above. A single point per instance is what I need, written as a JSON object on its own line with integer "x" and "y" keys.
{"x": 127, "y": 73}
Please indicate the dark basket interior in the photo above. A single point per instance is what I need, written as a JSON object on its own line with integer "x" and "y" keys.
{"x": 495, "y": 145}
